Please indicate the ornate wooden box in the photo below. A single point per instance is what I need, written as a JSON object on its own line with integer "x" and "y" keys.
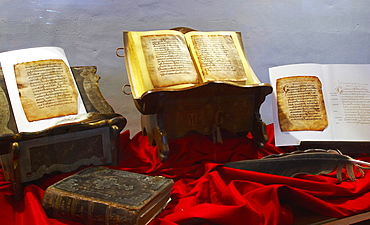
{"x": 27, "y": 156}
{"x": 206, "y": 106}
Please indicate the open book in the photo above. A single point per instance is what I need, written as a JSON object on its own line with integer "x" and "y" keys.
{"x": 315, "y": 102}
{"x": 41, "y": 88}
{"x": 170, "y": 59}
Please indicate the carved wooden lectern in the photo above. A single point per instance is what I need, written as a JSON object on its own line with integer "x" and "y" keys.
{"x": 223, "y": 100}
{"x": 27, "y": 156}
{"x": 205, "y": 109}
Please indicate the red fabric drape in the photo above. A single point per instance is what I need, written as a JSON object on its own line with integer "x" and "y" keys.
{"x": 205, "y": 192}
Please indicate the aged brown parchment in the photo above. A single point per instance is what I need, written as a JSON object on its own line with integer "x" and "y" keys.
{"x": 301, "y": 104}
{"x": 46, "y": 89}
{"x": 218, "y": 57}
{"x": 168, "y": 60}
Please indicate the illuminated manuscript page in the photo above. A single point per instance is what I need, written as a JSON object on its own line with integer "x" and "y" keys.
{"x": 346, "y": 97}
{"x": 168, "y": 60}
{"x": 158, "y": 59}
{"x": 46, "y": 89}
{"x": 300, "y": 103}
{"x": 220, "y": 57}
{"x": 40, "y": 116}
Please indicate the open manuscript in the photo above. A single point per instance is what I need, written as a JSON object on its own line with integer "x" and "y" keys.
{"x": 170, "y": 59}
{"x": 314, "y": 102}
{"x": 41, "y": 88}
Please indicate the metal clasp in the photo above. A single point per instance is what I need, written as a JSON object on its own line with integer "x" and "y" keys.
{"x": 124, "y": 89}
{"x": 118, "y": 49}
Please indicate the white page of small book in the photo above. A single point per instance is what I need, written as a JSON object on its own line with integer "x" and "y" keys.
{"x": 333, "y": 77}
{"x": 8, "y": 60}
{"x": 349, "y": 100}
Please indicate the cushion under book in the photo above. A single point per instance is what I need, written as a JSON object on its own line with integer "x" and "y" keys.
{"x": 99, "y": 195}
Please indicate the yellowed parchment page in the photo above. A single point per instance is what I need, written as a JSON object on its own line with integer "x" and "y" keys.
{"x": 46, "y": 89}
{"x": 301, "y": 104}
{"x": 160, "y": 59}
{"x": 220, "y": 57}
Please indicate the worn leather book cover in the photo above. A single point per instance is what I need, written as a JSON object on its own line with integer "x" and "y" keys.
{"x": 99, "y": 195}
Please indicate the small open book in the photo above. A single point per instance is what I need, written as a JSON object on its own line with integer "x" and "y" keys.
{"x": 41, "y": 88}
{"x": 321, "y": 102}
{"x": 169, "y": 59}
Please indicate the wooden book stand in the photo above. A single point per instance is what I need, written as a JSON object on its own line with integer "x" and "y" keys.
{"x": 205, "y": 107}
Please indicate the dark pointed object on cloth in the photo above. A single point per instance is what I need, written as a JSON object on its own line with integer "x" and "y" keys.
{"x": 311, "y": 161}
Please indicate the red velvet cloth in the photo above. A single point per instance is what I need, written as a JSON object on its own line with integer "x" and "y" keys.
{"x": 205, "y": 192}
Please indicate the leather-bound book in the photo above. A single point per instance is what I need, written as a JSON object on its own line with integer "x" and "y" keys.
{"x": 99, "y": 195}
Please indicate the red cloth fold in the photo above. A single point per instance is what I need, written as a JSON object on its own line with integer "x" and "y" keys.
{"x": 205, "y": 192}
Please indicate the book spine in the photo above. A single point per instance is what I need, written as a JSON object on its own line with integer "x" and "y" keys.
{"x": 88, "y": 211}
